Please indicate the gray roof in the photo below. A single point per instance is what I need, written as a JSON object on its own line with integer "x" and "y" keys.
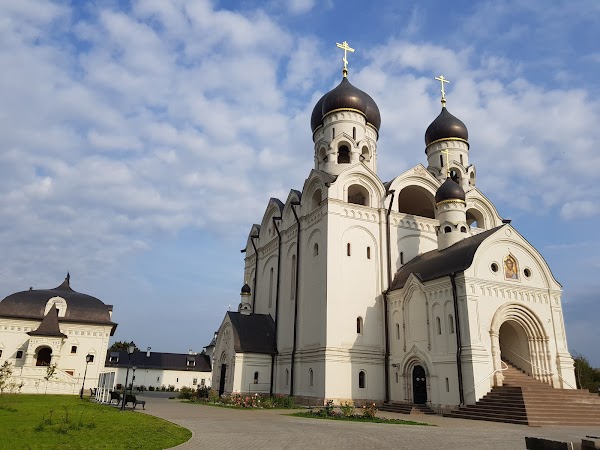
{"x": 253, "y": 333}
{"x": 440, "y": 263}
{"x": 157, "y": 360}
{"x": 49, "y": 325}
{"x": 80, "y": 307}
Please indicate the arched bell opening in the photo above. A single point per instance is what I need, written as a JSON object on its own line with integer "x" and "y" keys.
{"x": 416, "y": 201}
{"x": 44, "y": 356}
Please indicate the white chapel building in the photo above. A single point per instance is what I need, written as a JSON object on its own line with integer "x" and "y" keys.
{"x": 412, "y": 290}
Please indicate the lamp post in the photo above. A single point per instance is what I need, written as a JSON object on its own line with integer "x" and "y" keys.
{"x": 88, "y": 359}
{"x": 130, "y": 351}
{"x": 132, "y": 379}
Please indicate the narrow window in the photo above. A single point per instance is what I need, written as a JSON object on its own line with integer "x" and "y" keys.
{"x": 354, "y": 133}
{"x": 401, "y": 257}
{"x": 310, "y": 377}
{"x": 177, "y": 380}
{"x": 442, "y": 160}
{"x": 203, "y": 382}
{"x": 271, "y": 288}
{"x": 348, "y": 249}
{"x": 368, "y": 252}
{"x": 396, "y": 377}
{"x": 157, "y": 379}
{"x": 361, "y": 379}
{"x": 438, "y": 324}
{"x": 451, "y": 324}
{"x": 359, "y": 325}
{"x": 398, "y": 331}
{"x": 91, "y": 358}
{"x": 463, "y": 229}
{"x": 447, "y": 229}
{"x": 19, "y": 354}
{"x": 0, "y": 353}
{"x": 195, "y": 381}
{"x": 73, "y": 349}
{"x": 333, "y": 133}
{"x": 255, "y": 377}
{"x": 447, "y": 385}
{"x": 287, "y": 377}
{"x": 293, "y": 278}
{"x": 462, "y": 164}
{"x": 316, "y": 250}
{"x": 343, "y": 154}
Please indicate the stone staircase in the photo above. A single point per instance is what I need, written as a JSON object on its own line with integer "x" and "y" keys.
{"x": 524, "y": 400}
{"x": 405, "y": 408}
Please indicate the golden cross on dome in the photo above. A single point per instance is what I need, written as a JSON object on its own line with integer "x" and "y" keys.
{"x": 442, "y": 80}
{"x": 344, "y": 46}
{"x": 447, "y": 153}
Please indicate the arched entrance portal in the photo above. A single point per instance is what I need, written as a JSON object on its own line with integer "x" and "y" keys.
{"x": 223, "y": 374}
{"x": 44, "y": 356}
{"x": 419, "y": 382}
{"x": 514, "y": 345}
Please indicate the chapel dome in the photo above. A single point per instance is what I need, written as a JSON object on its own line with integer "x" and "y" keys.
{"x": 245, "y": 289}
{"x": 31, "y": 304}
{"x": 345, "y": 96}
{"x": 449, "y": 190}
{"x": 446, "y": 126}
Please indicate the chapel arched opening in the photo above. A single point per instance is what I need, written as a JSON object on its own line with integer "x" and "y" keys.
{"x": 416, "y": 201}
{"x": 514, "y": 345}
{"x": 44, "y": 356}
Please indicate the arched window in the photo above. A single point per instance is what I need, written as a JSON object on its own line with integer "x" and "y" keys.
{"x": 316, "y": 200}
{"x": 316, "y": 249}
{"x": 451, "y": 324}
{"x": 322, "y": 154}
{"x": 333, "y": 133}
{"x": 271, "y": 288}
{"x": 358, "y": 195}
{"x": 398, "y": 331}
{"x": 368, "y": 252}
{"x": 438, "y": 325}
{"x": 416, "y": 201}
{"x": 359, "y": 325}
{"x": 448, "y": 381}
{"x": 365, "y": 153}
{"x": 293, "y": 278}
{"x": 401, "y": 257}
{"x": 463, "y": 229}
{"x": 310, "y": 377}
{"x": 343, "y": 154}
{"x": 255, "y": 377}
{"x": 354, "y": 133}
{"x": 461, "y": 160}
{"x": 361, "y": 379}
{"x": 442, "y": 160}
{"x": 348, "y": 249}
{"x": 447, "y": 229}
{"x": 287, "y": 377}
{"x": 396, "y": 377}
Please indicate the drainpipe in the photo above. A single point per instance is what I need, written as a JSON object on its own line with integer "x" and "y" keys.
{"x": 458, "y": 340}
{"x": 385, "y": 309}
{"x": 275, "y": 219}
{"x": 254, "y": 236}
{"x": 295, "y": 203}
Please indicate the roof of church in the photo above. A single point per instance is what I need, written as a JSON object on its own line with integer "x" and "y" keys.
{"x": 345, "y": 96}
{"x": 49, "y": 325}
{"x": 157, "y": 360}
{"x": 449, "y": 190}
{"x": 440, "y": 263}
{"x": 446, "y": 126}
{"x": 31, "y": 304}
{"x": 253, "y": 333}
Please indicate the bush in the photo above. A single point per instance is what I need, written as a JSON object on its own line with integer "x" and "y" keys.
{"x": 151, "y": 388}
{"x": 203, "y": 392}
{"x": 283, "y": 401}
{"x": 347, "y": 409}
{"x": 369, "y": 411}
{"x": 186, "y": 393}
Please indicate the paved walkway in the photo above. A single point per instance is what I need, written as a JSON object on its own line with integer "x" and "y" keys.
{"x": 223, "y": 428}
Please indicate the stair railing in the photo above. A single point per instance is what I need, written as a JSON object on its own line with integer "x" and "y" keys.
{"x": 537, "y": 367}
{"x": 487, "y": 377}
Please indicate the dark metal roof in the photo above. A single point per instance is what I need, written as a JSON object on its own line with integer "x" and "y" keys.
{"x": 446, "y": 126}
{"x": 440, "y": 263}
{"x": 164, "y": 361}
{"x": 245, "y": 289}
{"x": 253, "y": 333}
{"x": 449, "y": 190}
{"x": 49, "y": 325}
{"x": 80, "y": 307}
{"x": 345, "y": 96}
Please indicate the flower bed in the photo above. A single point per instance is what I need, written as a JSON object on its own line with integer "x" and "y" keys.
{"x": 246, "y": 401}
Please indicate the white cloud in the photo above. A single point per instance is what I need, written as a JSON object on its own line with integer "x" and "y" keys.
{"x": 300, "y": 6}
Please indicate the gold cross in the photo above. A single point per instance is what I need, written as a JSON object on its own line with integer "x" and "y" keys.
{"x": 447, "y": 153}
{"x": 344, "y": 46}
{"x": 442, "y": 80}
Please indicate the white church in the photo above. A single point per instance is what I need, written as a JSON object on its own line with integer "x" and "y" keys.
{"x": 413, "y": 290}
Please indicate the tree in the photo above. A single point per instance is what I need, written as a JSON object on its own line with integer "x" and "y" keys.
{"x": 5, "y": 374}
{"x": 50, "y": 371}
{"x": 123, "y": 346}
{"x": 587, "y": 377}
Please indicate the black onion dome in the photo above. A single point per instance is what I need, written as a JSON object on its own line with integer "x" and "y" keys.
{"x": 345, "y": 96}
{"x": 245, "y": 289}
{"x": 80, "y": 307}
{"x": 446, "y": 126}
{"x": 449, "y": 190}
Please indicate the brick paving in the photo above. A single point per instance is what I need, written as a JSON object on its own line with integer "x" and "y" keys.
{"x": 223, "y": 428}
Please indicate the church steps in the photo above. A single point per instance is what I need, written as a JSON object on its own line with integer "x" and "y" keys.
{"x": 525, "y": 400}
{"x": 406, "y": 408}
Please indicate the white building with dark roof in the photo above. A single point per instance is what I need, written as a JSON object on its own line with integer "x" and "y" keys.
{"x": 410, "y": 291}
{"x": 62, "y": 327}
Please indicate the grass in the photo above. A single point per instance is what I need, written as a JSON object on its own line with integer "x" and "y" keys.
{"x": 313, "y": 415}
{"x": 67, "y": 423}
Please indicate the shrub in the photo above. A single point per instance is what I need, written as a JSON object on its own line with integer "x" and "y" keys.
{"x": 327, "y": 410}
{"x": 185, "y": 393}
{"x": 203, "y": 392}
{"x": 151, "y": 388}
{"x": 283, "y": 401}
{"x": 347, "y": 409}
{"x": 369, "y": 411}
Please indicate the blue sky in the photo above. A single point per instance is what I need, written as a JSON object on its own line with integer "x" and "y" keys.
{"x": 140, "y": 140}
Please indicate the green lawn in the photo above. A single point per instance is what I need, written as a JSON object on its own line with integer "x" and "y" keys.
{"x": 66, "y": 422}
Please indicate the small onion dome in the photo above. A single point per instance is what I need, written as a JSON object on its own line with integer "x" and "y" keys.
{"x": 449, "y": 191}
{"x": 446, "y": 126}
{"x": 245, "y": 289}
{"x": 345, "y": 96}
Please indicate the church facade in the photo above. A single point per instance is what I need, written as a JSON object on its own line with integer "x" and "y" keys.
{"x": 412, "y": 290}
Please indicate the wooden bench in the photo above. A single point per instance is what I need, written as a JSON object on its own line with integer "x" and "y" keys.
{"x": 114, "y": 395}
{"x": 130, "y": 398}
